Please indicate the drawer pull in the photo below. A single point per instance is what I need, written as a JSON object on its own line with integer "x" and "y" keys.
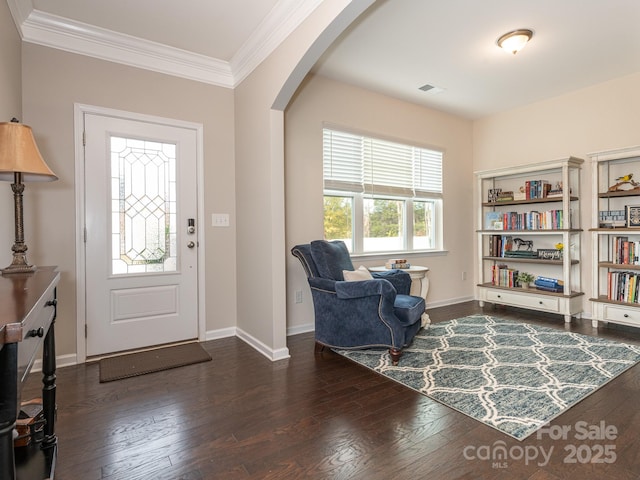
{"x": 499, "y": 296}
{"x": 626, "y": 315}
{"x": 36, "y": 332}
{"x": 50, "y": 303}
{"x": 540, "y": 302}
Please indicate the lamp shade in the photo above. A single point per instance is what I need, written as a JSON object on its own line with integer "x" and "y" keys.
{"x": 19, "y": 153}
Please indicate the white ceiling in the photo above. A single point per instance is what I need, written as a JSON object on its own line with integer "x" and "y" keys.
{"x": 395, "y": 47}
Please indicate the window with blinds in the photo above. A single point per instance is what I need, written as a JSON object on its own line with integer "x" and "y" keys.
{"x": 355, "y": 163}
{"x": 379, "y": 195}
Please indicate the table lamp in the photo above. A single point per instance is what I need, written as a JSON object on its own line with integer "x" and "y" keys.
{"x": 20, "y": 161}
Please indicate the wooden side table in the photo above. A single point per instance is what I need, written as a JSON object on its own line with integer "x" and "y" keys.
{"x": 419, "y": 284}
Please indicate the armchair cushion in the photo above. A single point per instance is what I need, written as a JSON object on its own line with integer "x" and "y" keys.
{"x": 407, "y": 308}
{"x": 331, "y": 258}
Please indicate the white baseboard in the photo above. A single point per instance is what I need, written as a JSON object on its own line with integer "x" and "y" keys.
{"x": 61, "y": 362}
{"x": 309, "y": 327}
{"x": 451, "y": 301}
{"x": 271, "y": 354}
{"x": 220, "y": 333}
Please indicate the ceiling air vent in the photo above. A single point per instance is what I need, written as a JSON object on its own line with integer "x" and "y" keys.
{"x": 431, "y": 89}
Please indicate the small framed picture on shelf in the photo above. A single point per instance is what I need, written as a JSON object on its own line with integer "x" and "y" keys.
{"x": 633, "y": 216}
{"x": 492, "y": 195}
{"x": 493, "y": 221}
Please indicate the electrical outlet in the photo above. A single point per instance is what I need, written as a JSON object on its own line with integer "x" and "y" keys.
{"x": 298, "y": 296}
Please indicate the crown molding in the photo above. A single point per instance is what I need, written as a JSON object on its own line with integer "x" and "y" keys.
{"x": 53, "y": 31}
{"x": 77, "y": 37}
{"x": 283, "y": 19}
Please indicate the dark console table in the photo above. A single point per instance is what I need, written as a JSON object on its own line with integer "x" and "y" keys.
{"x": 27, "y": 315}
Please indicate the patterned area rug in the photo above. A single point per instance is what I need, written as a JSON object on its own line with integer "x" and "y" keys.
{"x": 512, "y": 376}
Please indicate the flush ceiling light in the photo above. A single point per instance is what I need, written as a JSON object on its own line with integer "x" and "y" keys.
{"x": 514, "y": 41}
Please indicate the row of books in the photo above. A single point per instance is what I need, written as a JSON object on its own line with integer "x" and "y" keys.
{"x": 623, "y": 286}
{"x": 535, "y": 189}
{"x": 625, "y": 252}
{"x": 503, "y": 276}
{"x": 548, "y": 220}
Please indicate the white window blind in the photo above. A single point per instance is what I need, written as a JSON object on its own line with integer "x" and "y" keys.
{"x": 356, "y": 163}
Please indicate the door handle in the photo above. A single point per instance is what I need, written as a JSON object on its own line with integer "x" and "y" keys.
{"x": 191, "y": 244}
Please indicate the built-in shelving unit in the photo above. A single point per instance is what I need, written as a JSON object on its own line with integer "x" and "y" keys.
{"x": 615, "y": 231}
{"x": 522, "y": 232}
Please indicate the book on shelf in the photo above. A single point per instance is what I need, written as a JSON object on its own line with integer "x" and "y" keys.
{"x": 504, "y": 196}
{"x": 557, "y": 289}
{"x": 612, "y": 219}
{"x": 521, "y": 254}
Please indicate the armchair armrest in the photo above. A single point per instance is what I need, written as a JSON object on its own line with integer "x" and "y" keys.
{"x": 366, "y": 288}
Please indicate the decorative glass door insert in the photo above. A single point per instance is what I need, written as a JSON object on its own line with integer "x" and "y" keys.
{"x": 143, "y": 206}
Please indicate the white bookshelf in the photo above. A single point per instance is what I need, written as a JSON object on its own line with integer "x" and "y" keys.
{"x": 543, "y": 235}
{"x": 614, "y": 273}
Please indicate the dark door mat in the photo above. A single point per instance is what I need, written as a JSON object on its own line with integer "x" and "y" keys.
{"x": 134, "y": 364}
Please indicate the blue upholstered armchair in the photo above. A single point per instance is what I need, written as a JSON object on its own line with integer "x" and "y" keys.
{"x": 358, "y": 314}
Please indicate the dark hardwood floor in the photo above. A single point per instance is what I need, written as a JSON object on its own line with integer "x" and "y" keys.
{"x": 320, "y": 416}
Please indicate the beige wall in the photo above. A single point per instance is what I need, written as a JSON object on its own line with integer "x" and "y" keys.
{"x": 52, "y": 82}
{"x": 323, "y": 100}
{"x": 601, "y": 117}
{"x": 10, "y": 106}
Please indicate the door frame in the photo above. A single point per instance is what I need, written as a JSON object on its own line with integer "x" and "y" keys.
{"x": 79, "y": 111}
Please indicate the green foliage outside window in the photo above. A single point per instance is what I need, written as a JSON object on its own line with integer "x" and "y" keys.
{"x": 337, "y": 218}
{"x": 383, "y": 218}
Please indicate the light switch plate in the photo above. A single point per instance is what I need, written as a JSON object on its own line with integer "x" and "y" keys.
{"x": 220, "y": 219}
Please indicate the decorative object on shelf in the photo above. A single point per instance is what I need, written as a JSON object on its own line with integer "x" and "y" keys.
{"x": 493, "y": 221}
{"x": 20, "y": 161}
{"x": 492, "y": 196}
{"x": 633, "y": 216}
{"x": 525, "y": 278}
{"x": 519, "y": 243}
{"x": 624, "y": 180}
{"x": 556, "y": 191}
{"x": 549, "y": 254}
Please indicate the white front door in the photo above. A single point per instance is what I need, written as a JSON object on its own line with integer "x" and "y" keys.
{"x": 141, "y": 244}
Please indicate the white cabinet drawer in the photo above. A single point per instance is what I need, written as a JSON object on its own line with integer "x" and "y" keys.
{"x": 526, "y": 300}
{"x": 621, "y": 314}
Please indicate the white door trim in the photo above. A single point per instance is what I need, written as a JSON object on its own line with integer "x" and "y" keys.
{"x": 79, "y": 110}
